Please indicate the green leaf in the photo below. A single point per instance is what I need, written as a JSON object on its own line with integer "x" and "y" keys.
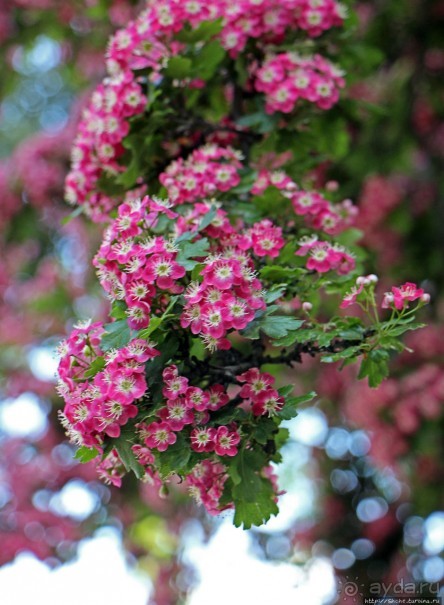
{"x": 256, "y": 513}
{"x": 397, "y": 330}
{"x": 208, "y": 218}
{"x": 67, "y": 219}
{"x": 249, "y": 464}
{"x": 205, "y": 31}
{"x": 118, "y": 309}
{"x": 208, "y": 60}
{"x": 179, "y": 68}
{"x": 116, "y": 336}
{"x": 271, "y": 202}
{"x": 188, "y": 251}
{"x": 340, "y": 355}
{"x": 197, "y": 349}
{"x": 155, "y": 322}
{"x": 259, "y": 121}
{"x": 175, "y": 458}
{"x": 109, "y": 185}
{"x": 290, "y": 410}
{"x": 253, "y": 495}
{"x": 86, "y": 454}
{"x": 276, "y": 273}
{"x": 264, "y": 430}
{"x": 374, "y": 366}
{"x": 275, "y": 292}
{"x": 279, "y": 326}
{"x": 95, "y": 367}
{"x": 127, "y": 456}
{"x": 286, "y": 390}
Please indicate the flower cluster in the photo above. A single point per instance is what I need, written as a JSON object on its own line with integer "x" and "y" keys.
{"x": 139, "y": 268}
{"x": 206, "y": 484}
{"x": 188, "y": 405}
{"x": 324, "y": 257}
{"x": 313, "y": 207}
{"x": 259, "y": 392}
{"x": 321, "y": 214}
{"x": 100, "y": 405}
{"x": 147, "y": 45}
{"x": 287, "y": 77}
{"x": 98, "y": 145}
{"x": 134, "y": 265}
{"x": 206, "y": 170}
{"x": 226, "y": 299}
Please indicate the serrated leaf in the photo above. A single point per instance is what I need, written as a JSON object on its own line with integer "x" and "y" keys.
{"x": 275, "y": 292}
{"x": 286, "y": 391}
{"x": 264, "y": 430}
{"x": 290, "y": 409}
{"x": 192, "y": 250}
{"x": 398, "y": 330}
{"x": 86, "y": 454}
{"x": 374, "y": 366}
{"x": 279, "y": 326}
{"x": 155, "y": 322}
{"x": 254, "y": 511}
{"x": 95, "y": 367}
{"x": 116, "y": 336}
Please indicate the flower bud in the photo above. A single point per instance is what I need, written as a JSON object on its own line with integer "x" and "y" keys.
{"x": 307, "y": 306}
{"x": 425, "y": 298}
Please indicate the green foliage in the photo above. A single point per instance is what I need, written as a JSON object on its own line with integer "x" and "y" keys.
{"x": 274, "y": 326}
{"x": 175, "y": 459}
{"x": 252, "y": 494}
{"x": 189, "y": 251}
{"x": 375, "y": 367}
{"x": 123, "y": 447}
{"x": 290, "y": 409}
{"x": 117, "y": 335}
{"x": 85, "y": 454}
{"x": 96, "y": 366}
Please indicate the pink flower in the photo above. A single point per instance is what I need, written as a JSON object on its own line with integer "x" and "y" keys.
{"x": 350, "y": 297}
{"x": 159, "y": 435}
{"x": 267, "y": 402}
{"x": 400, "y": 296}
{"x": 256, "y": 383}
{"x": 202, "y": 439}
{"x": 226, "y": 441}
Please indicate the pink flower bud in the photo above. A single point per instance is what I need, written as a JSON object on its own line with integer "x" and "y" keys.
{"x": 332, "y": 185}
{"x": 307, "y": 306}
